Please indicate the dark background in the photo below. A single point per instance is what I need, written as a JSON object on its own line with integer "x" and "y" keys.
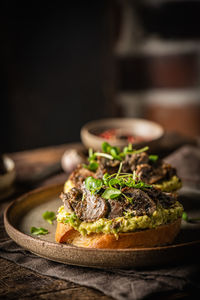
{"x": 59, "y": 71}
{"x": 54, "y": 71}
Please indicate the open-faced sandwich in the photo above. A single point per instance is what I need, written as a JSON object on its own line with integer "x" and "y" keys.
{"x": 120, "y": 200}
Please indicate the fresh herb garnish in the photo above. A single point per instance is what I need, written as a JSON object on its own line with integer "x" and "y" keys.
{"x": 140, "y": 150}
{"x": 119, "y": 170}
{"x": 111, "y": 193}
{"x": 106, "y": 147}
{"x": 185, "y": 216}
{"x": 93, "y": 164}
{"x": 115, "y": 151}
{"x": 111, "y": 153}
{"x": 93, "y": 185}
{"x": 128, "y": 149}
{"x": 39, "y": 230}
{"x": 189, "y": 220}
{"x": 153, "y": 157}
{"x": 49, "y": 216}
{"x": 106, "y": 155}
{"x": 112, "y": 184}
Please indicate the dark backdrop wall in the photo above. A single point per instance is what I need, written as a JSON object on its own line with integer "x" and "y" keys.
{"x": 54, "y": 71}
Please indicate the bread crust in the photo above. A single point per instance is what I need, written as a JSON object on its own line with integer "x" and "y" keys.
{"x": 161, "y": 235}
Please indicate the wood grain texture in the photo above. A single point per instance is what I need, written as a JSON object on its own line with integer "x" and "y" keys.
{"x": 19, "y": 283}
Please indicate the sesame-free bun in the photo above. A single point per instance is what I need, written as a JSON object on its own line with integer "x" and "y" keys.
{"x": 161, "y": 235}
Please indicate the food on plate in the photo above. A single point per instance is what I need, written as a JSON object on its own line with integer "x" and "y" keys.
{"x": 49, "y": 216}
{"x": 148, "y": 168}
{"x": 111, "y": 203}
{"x": 39, "y": 231}
{"x": 120, "y": 134}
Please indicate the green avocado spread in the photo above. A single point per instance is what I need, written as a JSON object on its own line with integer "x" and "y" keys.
{"x": 127, "y": 223}
{"x": 170, "y": 185}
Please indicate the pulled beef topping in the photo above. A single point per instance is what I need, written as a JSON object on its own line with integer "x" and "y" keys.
{"x": 71, "y": 199}
{"x": 79, "y": 175}
{"x": 148, "y": 171}
{"x": 141, "y": 204}
{"x": 167, "y": 200}
{"x": 155, "y": 173}
{"x": 116, "y": 208}
{"x": 133, "y": 160}
{"x": 91, "y": 208}
{"x": 106, "y": 165}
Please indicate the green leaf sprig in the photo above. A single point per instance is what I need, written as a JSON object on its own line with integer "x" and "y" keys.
{"x": 153, "y": 157}
{"x": 189, "y": 220}
{"x": 39, "y": 230}
{"x": 111, "y": 193}
{"x": 111, "y": 153}
{"x": 49, "y": 216}
{"x": 113, "y": 184}
{"x": 93, "y": 185}
{"x": 92, "y": 158}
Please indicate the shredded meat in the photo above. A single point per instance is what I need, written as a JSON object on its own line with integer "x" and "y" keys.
{"x": 116, "y": 208}
{"x": 79, "y": 175}
{"x": 106, "y": 166}
{"x": 91, "y": 208}
{"x": 147, "y": 170}
{"x": 71, "y": 199}
{"x": 167, "y": 200}
{"x": 142, "y": 204}
{"x": 133, "y": 160}
{"x": 154, "y": 173}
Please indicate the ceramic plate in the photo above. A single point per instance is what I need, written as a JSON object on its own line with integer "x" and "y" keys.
{"x": 27, "y": 211}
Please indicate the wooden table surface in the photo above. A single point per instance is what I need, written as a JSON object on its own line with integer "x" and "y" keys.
{"x": 17, "y": 282}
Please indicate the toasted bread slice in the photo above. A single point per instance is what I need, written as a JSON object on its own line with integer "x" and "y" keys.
{"x": 161, "y": 235}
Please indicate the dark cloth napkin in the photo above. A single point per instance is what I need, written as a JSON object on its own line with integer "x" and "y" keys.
{"x": 187, "y": 162}
{"x": 120, "y": 284}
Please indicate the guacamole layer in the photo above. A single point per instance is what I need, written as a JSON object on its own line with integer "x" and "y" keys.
{"x": 121, "y": 224}
{"x": 170, "y": 185}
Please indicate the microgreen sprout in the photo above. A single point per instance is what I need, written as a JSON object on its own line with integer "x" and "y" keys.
{"x": 93, "y": 185}
{"x": 39, "y": 230}
{"x": 111, "y": 153}
{"x": 49, "y": 216}
{"x": 153, "y": 157}
{"x": 189, "y": 220}
{"x": 113, "y": 184}
{"x": 119, "y": 170}
{"x": 104, "y": 155}
{"x": 140, "y": 150}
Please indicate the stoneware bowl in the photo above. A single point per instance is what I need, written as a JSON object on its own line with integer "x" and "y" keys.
{"x": 149, "y": 132}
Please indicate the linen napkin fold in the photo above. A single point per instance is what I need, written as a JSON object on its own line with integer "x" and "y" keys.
{"x": 120, "y": 284}
{"x": 187, "y": 162}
